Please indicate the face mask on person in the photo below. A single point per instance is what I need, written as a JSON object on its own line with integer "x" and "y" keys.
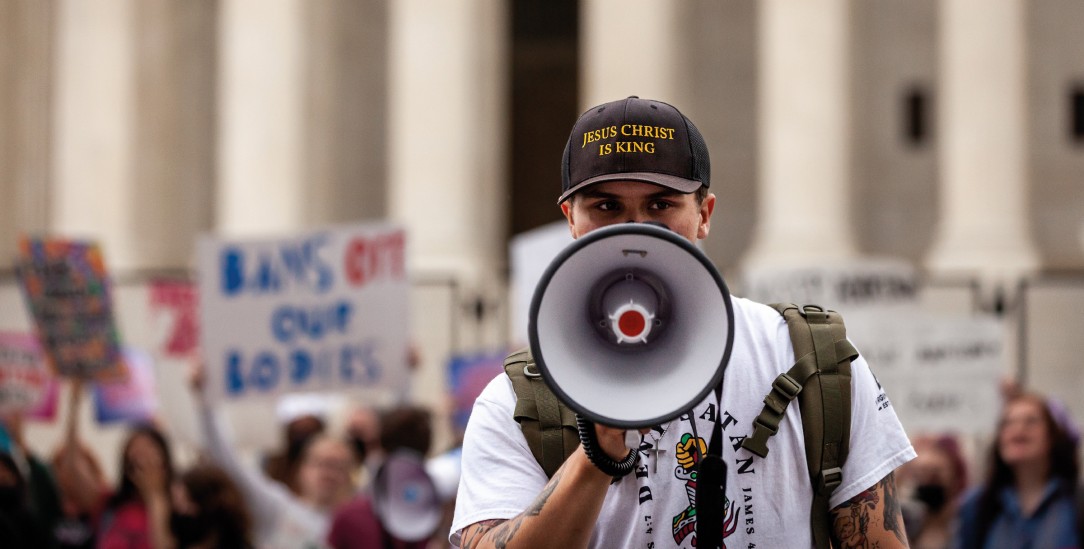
{"x": 189, "y": 529}
{"x": 358, "y": 445}
{"x": 933, "y": 496}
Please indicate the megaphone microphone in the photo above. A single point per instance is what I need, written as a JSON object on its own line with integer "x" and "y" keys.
{"x": 631, "y": 325}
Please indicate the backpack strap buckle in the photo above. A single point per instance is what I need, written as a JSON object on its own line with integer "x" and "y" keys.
{"x": 829, "y": 479}
{"x": 787, "y": 385}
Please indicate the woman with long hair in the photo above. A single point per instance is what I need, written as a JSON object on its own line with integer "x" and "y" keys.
{"x": 1028, "y": 499}
{"x": 142, "y": 495}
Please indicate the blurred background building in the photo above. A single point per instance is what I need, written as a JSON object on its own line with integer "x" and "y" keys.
{"x": 948, "y": 135}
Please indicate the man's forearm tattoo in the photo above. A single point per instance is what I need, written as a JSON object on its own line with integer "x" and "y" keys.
{"x": 504, "y": 530}
{"x": 892, "y": 512}
{"x": 473, "y": 534}
{"x": 536, "y": 508}
{"x": 851, "y": 521}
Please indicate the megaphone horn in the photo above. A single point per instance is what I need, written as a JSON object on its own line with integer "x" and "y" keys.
{"x": 405, "y": 498}
{"x": 631, "y": 325}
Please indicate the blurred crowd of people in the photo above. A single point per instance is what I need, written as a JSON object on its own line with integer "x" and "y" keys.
{"x": 318, "y": 491}
{"x": 1027, "y": 497}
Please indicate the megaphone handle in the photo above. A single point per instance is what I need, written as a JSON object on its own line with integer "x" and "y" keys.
{"x": 606, "y": 464}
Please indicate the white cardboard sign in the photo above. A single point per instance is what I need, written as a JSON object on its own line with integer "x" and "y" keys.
{"x": 320, "y": 311}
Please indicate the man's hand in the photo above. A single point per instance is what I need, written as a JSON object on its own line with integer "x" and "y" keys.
{"x": 612, "y": 441}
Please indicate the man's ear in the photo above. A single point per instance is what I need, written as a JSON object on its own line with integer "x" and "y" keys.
{"x": 706, "y": 209}
{"x": 566, "y": 208}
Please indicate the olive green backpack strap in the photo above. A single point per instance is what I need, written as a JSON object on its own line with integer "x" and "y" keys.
{"x": 548, "y": 425}
{"x": 821, "y": 380}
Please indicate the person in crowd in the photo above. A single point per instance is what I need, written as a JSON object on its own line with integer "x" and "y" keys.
{"x": 302, "y": 418}
{"x": 363, "y": 432}
{"x": 208, "y": 512}
{"x": 934, "y": 480}
{"x": 19, "y": 527}
{"x": 75, "y": 465}
{"x": 642, "y": 161}
{"x": 1029, "y": 496}
{"x": 44, "y": 498}
{"x": 141, "y": 498}
{"x": 356, "y": 524}
{"x": 280, "y": 518}
{"x": 81, "y": 482}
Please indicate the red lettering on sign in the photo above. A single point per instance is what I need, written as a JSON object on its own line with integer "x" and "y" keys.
{"x": 370, "y": 259}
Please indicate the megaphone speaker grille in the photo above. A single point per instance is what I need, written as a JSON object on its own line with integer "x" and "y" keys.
{"x": 622, "y": 379}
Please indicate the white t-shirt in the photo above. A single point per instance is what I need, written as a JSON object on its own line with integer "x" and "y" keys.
{"x": 768, "y": 499}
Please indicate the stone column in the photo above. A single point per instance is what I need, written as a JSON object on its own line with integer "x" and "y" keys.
{"x": 260, "y": 117}
{"x": 803, "y": 214}
{"x": 94, "y": 107}
{"x": 629, "y": 48}
{"x": 984, "y": 201}
{"x": 174, "y": 145}
{"x": 447, "y": 134}
{"x": 447, "y": 140}
{"x": 26, "y": 72}
{"x": 346, "y": 76}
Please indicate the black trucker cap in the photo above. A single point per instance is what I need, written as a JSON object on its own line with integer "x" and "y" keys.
{"x": 634, "y": 139}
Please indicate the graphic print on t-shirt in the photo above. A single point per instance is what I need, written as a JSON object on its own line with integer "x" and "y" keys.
{"x": 684, "y": 455}
{"x": 688, "y": 452}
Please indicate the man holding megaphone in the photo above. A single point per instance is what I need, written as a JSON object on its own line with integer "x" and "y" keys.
{"x": 633, "y": 329}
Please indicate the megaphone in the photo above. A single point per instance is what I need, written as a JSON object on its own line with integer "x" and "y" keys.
{"x": 405, "y": 498}
{"x": 631, "y": 325}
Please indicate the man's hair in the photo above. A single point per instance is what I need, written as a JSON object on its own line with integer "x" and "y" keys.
{"x": 701, "y": 194}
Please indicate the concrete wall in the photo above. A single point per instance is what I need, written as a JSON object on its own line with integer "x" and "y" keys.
{"x": 894, "y": 179}
{"x": 1056, "y": 161}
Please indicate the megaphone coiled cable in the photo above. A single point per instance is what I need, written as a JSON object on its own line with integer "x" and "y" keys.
{"x": 606, "y": 464}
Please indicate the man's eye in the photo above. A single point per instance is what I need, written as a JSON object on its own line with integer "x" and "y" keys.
{"x": 607, "y": 205}
{"x": 660, "y": 205}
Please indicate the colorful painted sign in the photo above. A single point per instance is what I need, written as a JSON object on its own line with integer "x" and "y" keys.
{"x": 320, "y": 311}
{"x": 67, "y": 290}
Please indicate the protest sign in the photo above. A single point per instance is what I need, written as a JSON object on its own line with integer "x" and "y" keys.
{"x": 66, "y": 288}
{"x": 131, "y": 400}
{"x": 178, "y": 302}
{"x": 45, "y": 410}
{"x": 846, "y": 286}
{"x": 531, "y": 253}
{"x": 24, "y": 378}
{"x": 467, "y": 376}
{"x": 940, "y": 372}
{"x": 320, "y": 311}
